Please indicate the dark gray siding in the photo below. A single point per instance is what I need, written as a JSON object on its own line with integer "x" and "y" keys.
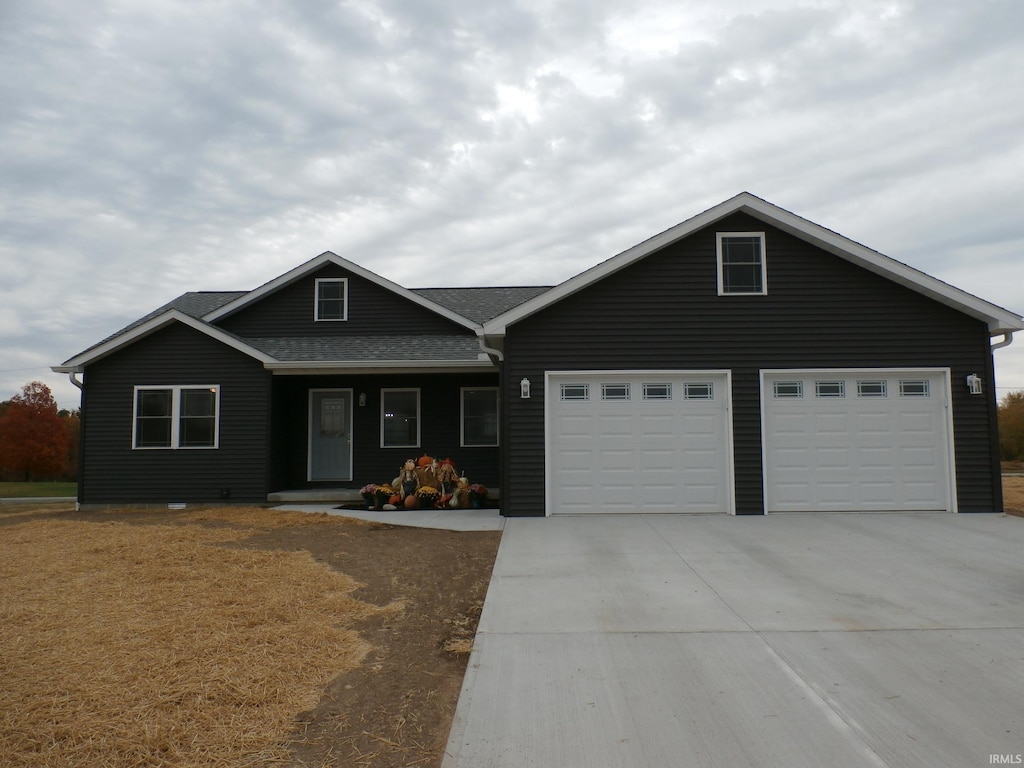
{"x": 372, "y": 311}
{"x": 820, "y": 312}
{"x": 114, "y": 473}
{"x": 440, "y": 409}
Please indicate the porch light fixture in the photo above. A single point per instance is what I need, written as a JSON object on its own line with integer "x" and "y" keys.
{"x": 974, "y": 384}
{"x": 362, "y": 399}
{"x": 524, "y": 388}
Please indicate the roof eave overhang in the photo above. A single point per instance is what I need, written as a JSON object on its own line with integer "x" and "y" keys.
{"x": 306, "y": 367}
{"x": 325, "y": 258}
{"x": 78, "y": 363}
{"x": 999, "y": 320}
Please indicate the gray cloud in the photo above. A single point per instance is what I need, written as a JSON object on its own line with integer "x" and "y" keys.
{"x": 152, "y": 149}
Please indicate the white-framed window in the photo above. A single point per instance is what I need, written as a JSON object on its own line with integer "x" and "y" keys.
{"x": 871, "y": 388}
{"x": 615, "y": 391}
{"x": 914, "y": 388}
{"x": 575, "y": 392}
{"x": 176, "y": 417}
{"x": 830, "y": 388}
{"x": 399, "y": 418}
{"x": 479, "y": 416}
{"x": 741, "y": 264}
{"x": 782, "y": 389}
{"x": 657, "y": 391}
{"x": 700, "y": 391}
{"x": 331, "y": 302}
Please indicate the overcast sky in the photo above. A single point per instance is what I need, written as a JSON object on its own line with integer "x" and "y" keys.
{"x": 154, "y": 147}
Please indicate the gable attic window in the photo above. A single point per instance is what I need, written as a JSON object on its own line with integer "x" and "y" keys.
{"x": 331, "y": 299}
{"x": 176, "y": 417}
{"x": 741, "y": 264}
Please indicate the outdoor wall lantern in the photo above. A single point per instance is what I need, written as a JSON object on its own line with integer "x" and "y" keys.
{"x": 362, "y": 399}
{"x": 974, "y": 384}
{"x": 524, "y": 387}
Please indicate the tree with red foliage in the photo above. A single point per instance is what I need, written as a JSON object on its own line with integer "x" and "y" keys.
{"x": 33, "y": 439}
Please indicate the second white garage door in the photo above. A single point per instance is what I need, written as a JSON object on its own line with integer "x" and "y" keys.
{"x": 649, "y": 441}
{"x": 869, "y": 440}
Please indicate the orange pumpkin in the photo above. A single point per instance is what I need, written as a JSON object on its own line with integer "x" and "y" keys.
{"x": 411, "y": 502}
{"x": 425, "y": 461}
{"x": 396, "y": 500}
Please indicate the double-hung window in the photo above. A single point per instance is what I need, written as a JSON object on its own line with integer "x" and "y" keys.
{"x": 176, "y": 417}
{"x": 400, "y": 418}
{"x": 479, "y": 416}
{"x": 331, "y": 299}
{"x": 741, "y": 264}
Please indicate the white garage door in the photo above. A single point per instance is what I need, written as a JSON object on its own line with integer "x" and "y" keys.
{"x": 857, "y": 441}
{"x": 638, "y": 442}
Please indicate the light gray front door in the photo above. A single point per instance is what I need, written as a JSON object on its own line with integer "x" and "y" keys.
{"x": 330, "y": 434}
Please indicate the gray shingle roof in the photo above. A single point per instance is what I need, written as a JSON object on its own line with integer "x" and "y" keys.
{"x": 480, "y": 304}
{"x": 368, "y": 348}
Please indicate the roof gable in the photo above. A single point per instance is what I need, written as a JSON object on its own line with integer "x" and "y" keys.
{"x": 150, "y": 326}
{"x": 317, "y": 263}
{"x": 999, "y": 320}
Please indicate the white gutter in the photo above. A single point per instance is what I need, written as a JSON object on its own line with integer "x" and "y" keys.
{"x": 489, "y": 350}
{"x": 1007, "y": 339}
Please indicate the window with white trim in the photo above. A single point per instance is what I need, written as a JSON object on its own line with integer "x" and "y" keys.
{"x": 479, "y": 416}
{"x": 783, "y": 389}
{"x": 575, "y": 392}
{"x": 741, "y": 264}
{"x": 176, "y": 417}
{"x": 615, "y": 391}
{"x": 399, "y": 418}
{"x": 830, "y": 388}
{"x": 331, "y": 299}
{"x": 914, "y": 388}
{"x": 657, "y": 391}
{"x": 871, "y": 388}
{"x": 699, "y": 391}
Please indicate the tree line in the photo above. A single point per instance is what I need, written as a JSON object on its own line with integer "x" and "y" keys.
{"x": 1011, "y": 426}
{"x": 37, "y": 440}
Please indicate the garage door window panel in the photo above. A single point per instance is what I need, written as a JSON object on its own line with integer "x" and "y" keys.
{"x": 787, "y": 389}
{"x": 914, "y": 388}
{"x": 830, "y": 389}
{"x": 657, "y": 392}
{"x": 702, "y": 391}
{"x": 871, "y": 388}
{"x": 578, "y": 392}
{"x": 615, "y": 391}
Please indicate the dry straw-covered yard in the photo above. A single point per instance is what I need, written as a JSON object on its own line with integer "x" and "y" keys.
{"x": 193, "y": 639}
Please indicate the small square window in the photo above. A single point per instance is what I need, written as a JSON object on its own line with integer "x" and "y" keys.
{"x": 914, "y": 388}
{"x": 657, "y": 391}
{"x": 331, "y": 299}
{"x": 575, "y": 391}
{"x": 830, "y": 389}
{"x": 782, "y": 389}
{"x": 741, "y": 263}
{"x": 871, "y": 388}
{"x": 699, "y": 391}
{"x": 615, "y": 391}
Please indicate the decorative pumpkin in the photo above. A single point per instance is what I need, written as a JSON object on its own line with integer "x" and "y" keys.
{"x": 396, "y": 500}
{"x": 411, "y": 501}
{"x": 424, "y": 461}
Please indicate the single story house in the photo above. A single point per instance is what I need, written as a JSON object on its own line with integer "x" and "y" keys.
{"x": 745, "y": 361}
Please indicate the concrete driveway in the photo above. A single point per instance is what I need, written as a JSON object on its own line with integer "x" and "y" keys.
{"x": 788, "y": 640}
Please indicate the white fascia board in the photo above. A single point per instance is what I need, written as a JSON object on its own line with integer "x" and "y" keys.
{"x": 78, "y": 363}
{"x": 327, "y": 257}
{"x": 999, "y": 320}
{"x": 306, "y": 367}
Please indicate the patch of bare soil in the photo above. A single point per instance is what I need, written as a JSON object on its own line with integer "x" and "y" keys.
{"x": 332, "y": 642}
{"x": 1013, "y": 495}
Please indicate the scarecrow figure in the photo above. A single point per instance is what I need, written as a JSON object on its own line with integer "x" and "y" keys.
{"x": 407, "y": 483}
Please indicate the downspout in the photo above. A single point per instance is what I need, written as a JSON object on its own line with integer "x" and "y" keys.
{"x": 77, "y": 383}
{"x": 1007, "y": 339}
{"x": 491, "y": 351}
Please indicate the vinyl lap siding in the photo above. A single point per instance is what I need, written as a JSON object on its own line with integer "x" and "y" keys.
{"x": 114, "y": 473}
{"x": 820, "y": 312}
{"x": 372, "y": 311}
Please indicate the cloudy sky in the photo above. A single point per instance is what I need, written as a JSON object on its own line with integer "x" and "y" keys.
{"x": 153, "y": 147}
